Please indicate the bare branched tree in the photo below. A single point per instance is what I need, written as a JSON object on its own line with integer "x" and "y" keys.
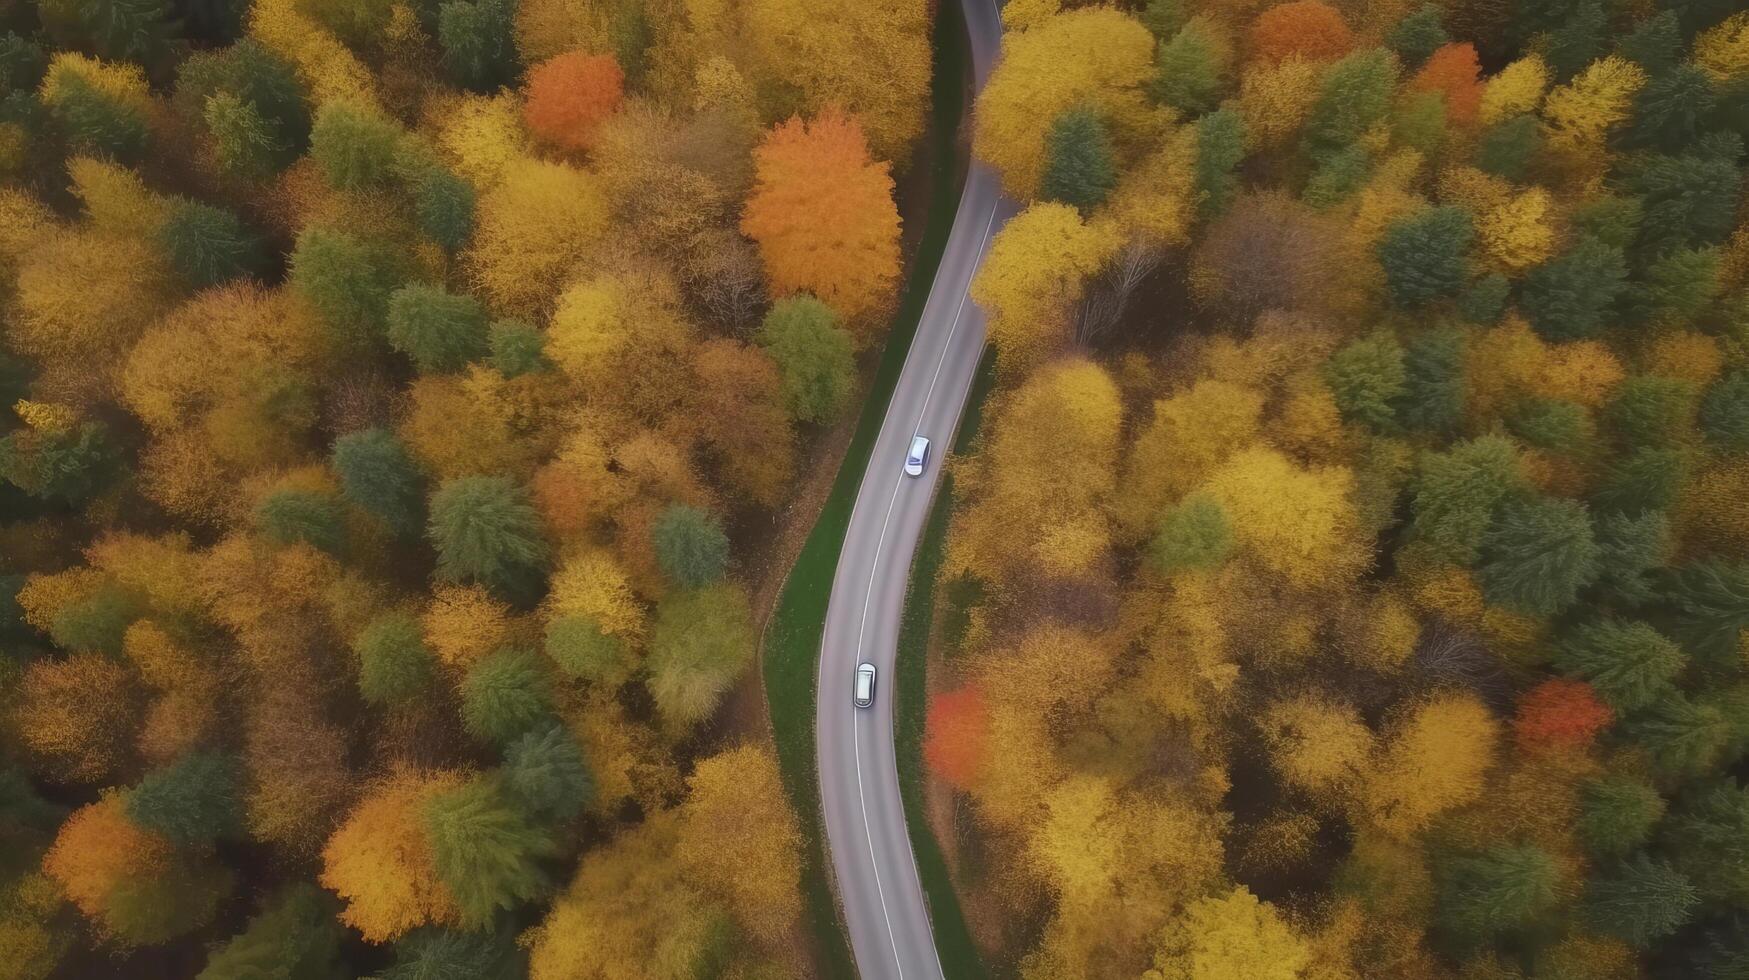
{"x": 1108, "y": 296}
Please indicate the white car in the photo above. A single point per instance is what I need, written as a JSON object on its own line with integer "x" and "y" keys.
{"x": 865, "y": 677}
{"x": 918, "y": 457}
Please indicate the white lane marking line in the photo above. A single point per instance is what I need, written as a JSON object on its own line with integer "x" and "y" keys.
{"x": 868, "y": 596}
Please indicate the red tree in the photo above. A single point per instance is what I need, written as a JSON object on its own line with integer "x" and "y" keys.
{"x": 1314, "y": 31}
{"x": 956, "y": 735}
{"x": 1453, "y": 72}
{"x": 1560, "y": 713}
{"x": 568, "y": 97}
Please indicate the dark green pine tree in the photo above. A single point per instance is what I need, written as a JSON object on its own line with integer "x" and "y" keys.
{"x": 479, "y": 49}
{"x": 348, "y": 281}
{"x": 195, "y": 800}
{"x": 1357, "y": 92}
{"x": 1537, "y": 555}
{"x": 1433, "y": 381}
{"x": 1635, "y": 546}
{"x": 146, "y": 32}
{"x": 486, "y": 851}
{"x": 1683, "y": 737}
{"x": 354, "y": 148}
{"x": 1686, "y": 200}
{"x": 1724, "y": 412}
{"x": 1367, "y": 376}
{"x": 294, "y": 516}
{"x": 1629, "y": 664}
{"x": 1655, "y": 44}
{"x": 545, "y": 774}
{"x": 1569, "y": 296}
{"x": 1617, "y": 815}
{"x": 814, "y": 356}
{"x": 1641, "y": 901}
{"x": 1578, "y": 41}
{"x": 378, "y": 474}
{"x": 1078, "y": 162}
{"x": 517, "y": 348}
{"x": 1671, "y": 109}
{"x": 441, "y": 331}
{"x": 207, "y": 245}
{"x": 1709, "y": 602}
{"x": 1707, "y": 838}
{"x": 394, "y": 664}
{"x": 1220, "y": 146}
{"x": 1417, "y": 36}
{"x": 1425, "y": 257}
{"x": 1190, "y": 69}
{"x": 486, "y": 530}
{"x": 1507, "y": 148}
{"x": 1455, "y": 494}
{"x": 295, "y": 936}
{"x": 1483, "y": 894}
{"x": 691, "y": 547}
{"x": 444, "y": 205}
{"x": 506, "y": 695}
{"x": 430, "y": 953}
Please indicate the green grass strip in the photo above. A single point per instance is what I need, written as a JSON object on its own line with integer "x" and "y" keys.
{"x": 792, "y": 641}
{"x": 953, "y": 941}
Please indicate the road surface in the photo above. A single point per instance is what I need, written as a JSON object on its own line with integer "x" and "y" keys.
{"x": 872, "y": 863}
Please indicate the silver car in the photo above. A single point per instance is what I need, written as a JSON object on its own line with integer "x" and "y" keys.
{"x": 865, "y": 677}
{"x": 918, "y": 457}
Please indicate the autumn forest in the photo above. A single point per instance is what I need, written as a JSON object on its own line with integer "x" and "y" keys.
{"x": 409, "y": 410}
{"x": 400, "y": 402}
{"x": 1373, "y": 387}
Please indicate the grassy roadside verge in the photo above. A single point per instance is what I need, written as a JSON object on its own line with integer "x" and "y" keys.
{"x": 792, "y": 638}
{"x": 953, "y": 941}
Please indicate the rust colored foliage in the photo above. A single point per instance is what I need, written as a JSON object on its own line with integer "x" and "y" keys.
{"x": 823, "y": 214}
{"x": 78, "y": 715}
{"x": 957, "y": 731}
{"x": 1453, "y": 72}
{"x": 1560, "y": 713}
{"x": 568, "y": 97}
{"x": 1312, "y": 30}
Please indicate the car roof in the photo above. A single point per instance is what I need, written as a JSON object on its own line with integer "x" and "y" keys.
{"x": 865, "y": 668}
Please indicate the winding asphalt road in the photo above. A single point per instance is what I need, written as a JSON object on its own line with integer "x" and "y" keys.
{"x": 875, "y": 871}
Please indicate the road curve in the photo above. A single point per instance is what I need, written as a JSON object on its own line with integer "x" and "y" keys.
{"x": 872, "y": 863}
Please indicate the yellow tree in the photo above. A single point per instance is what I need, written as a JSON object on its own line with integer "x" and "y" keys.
{"x": 534, "y": 228}
{"x": 1517, "y": 89}
{"x": 1436, "y": 758}
{"x": 1297, "y": 522}
{"x": 1191, "y": 433}
{"x": 591, "y": 583}
{"x": 379, "y": 861}
{"x": 1230, "y": 937}
{"x": 1581, "y": 113}
{"x": 822, "y": 214}
{"x": 1068, "y": 410}
{"x": 740, "y": 840}
{"x": 1517, "y": 233}
{"x": 632, "y": 913}
{"x": 1036, "y": 270}
{"x": 1722, "y": 50}
{"x": 1317, "y": 745}
{"x": 869, "y": 58}
{"x": 622, "y": 337}
{"x": 1095, "y": 56}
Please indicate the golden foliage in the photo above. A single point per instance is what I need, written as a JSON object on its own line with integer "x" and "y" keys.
{"x": 380, "y": 864}
{"x": 1297, "y": 522}
{"x": 1518, "y": 88}
{"x": 1317, "y": 745}
{"x": 99, "y": 848}
{"x": 739, "y": 838}
{"x": 323, "y": 62}
{"x": 1096, "y": 56}
{"x": 1191, "y": 433}
{"x": 1435, "y": 759}
{"x": 1036, "y": 269}
{"x": 1230, "y": 937}
{"x": 871, "y": 59}
{"x": 482, "y": 135}
{"x": 1277, "y": 97}
{"x": 592, "y": 584}
{"x": 1581, "y": 113}
{"x": 116, "y": 200}
{"x": 1722, "y": 50}
{"x": 464, "y": 623}
{"x": 1517, "y": 233}
{"x": 78, "y": 715}
{"x": 1069, "y": 409}
{"x": 535, "y": 227}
